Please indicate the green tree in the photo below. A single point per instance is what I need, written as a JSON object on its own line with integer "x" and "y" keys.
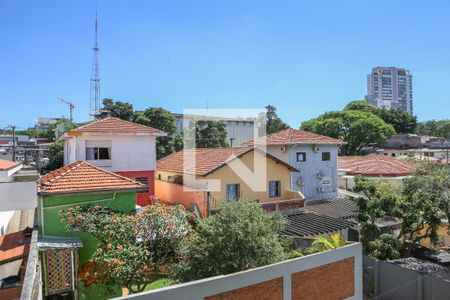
{"x": 420, "y": 205}
{"x": 134, "y": 250}
{"x": 386, "y": 246}
{"x": 402, "y": 121}
{"x": 210, "y": 134}
{"x": 426, "y": 203}
{"x": 328, "y": 242}
{"x": 240, "y": 237}
{"x": 161, "y": 119}
{"x": 435, "y": 128}
{"x": 117, "y": 109}
{"x": 380, "y": 199}
{"x": 358, "y": 129}
{"x": 361, "y": 105}
{"x": 273, "y": 121}
{"x": 56, "y": 156}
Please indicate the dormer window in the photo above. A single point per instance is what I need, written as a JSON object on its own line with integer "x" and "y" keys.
{"x": 98, "y": 150}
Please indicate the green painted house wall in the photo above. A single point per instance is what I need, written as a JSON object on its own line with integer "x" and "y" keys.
{"x": 50, "y": 225}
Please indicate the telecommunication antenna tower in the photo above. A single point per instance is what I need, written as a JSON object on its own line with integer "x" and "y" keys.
{"x": 95, "y": 77}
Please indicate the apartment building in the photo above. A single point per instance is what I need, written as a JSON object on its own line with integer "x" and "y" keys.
{"x": 390, "y": 88}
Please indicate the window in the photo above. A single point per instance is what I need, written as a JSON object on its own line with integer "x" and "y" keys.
{"x": 98, "y": 153}
{"x": 232, "y": 192}
{"x": 301, "y": 156}
{"x": 159, "y": 176}
{"x": 144, "y": 181}
{"x": 98, "y": 150}
{"x": 326, "y": 156}
{"x": 274, "y": 189}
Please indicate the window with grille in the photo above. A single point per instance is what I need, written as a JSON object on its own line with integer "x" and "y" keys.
{"x": 326, "y": 156}
{"x": 144, "y": 181}
{"x": 274, "y": 188}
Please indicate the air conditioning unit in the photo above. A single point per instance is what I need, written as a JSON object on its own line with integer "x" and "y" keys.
{"x": 316, "y": 149}
{"x": 320, "y": 190}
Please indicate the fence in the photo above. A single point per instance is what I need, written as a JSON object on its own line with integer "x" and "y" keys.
{"x": 335, "y": 274}
{"x": 387, "y": 281}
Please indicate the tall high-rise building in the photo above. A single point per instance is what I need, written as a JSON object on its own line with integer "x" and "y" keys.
{"x": 390, "y": 88}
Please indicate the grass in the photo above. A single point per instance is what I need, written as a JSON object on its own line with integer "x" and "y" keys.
{"x": 159, "y": 283}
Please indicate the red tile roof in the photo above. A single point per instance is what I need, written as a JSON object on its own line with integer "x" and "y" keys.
{"x": 207, "y": 160}
{"x": 374, "y": 165}
{"x": 115, "y": 125}
{"x": 13, "y": 246}
{"x": 294, "y": 136}
{"x": 82, "y": 177}
{"x": 7, "y": 164}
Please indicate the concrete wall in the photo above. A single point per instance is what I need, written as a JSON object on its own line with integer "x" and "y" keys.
{"x": 172, "y": 193}
{"x": 386, "y": 281}
{"x": 128, "y": 152}
{"x": 335, "y": 274}
{"x": 310, "y": 169}
{"x": 18, "y": 195}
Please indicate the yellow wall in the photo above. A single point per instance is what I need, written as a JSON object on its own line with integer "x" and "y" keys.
{"x": 274, "y": 171}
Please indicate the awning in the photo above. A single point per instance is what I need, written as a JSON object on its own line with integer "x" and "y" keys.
{"x": 10, "y": 269}
{"x": 54, "y": 242}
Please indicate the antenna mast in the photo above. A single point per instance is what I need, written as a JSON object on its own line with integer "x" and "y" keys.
{"x": 95, "y": 77}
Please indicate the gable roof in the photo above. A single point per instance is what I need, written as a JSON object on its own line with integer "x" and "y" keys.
{"x": 82, "y": 177}
{"x": 292, "y": 136}
{"x": 112, "y": 124}
{"x": 374, "y": 165}
{"x": 207, "y": 160}
{"x": 7, "y": 164}
{"x": 309, "y": 224}
{"x": 14, "y": 246}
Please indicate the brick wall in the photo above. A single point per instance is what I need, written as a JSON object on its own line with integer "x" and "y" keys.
{"x": 331, "y": 281}
{"x": 267, "y": 290}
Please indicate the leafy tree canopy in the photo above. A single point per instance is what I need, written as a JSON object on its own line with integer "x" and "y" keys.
{"x": 435, "y": 128}
{"x": 117, "y": 109}
{"x": 273, "y": 121}
{"x": 162, "y": 119}
{"x": 402, "y": 121}
{"x": 359, "y": 129}
{"x": 241, "y": 236}
{"x": 210, "y": 134}
{"x": 134, "y": 250}
{"x": 56, "y": 156}
{"x": 420, "y": 205}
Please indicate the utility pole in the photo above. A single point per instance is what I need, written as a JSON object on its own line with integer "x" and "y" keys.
{"x": 13, "y": 127}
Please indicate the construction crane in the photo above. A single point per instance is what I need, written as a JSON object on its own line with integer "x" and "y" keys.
{"x": 71, "y": 106}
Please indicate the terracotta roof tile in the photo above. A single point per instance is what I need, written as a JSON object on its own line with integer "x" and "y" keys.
{"x": 374, "y": 165}
{"x": 13, "y": 246}
{"x": 81, "y": 177}
{"x": 115, "y": 125}
{"x": 292, "y": 136}
{"x": 7, "y": 164}
{"x": 206, "y": 159}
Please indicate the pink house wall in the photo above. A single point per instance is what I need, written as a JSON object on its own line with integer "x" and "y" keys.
{"x": 172, "y": 193}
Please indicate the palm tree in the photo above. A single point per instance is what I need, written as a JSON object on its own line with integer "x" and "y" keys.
{"x": 328, "y": 242}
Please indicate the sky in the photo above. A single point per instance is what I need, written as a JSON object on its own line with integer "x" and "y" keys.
{"x": 303, "y": 57}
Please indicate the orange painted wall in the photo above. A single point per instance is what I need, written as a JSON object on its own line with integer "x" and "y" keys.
{"x": 171, "y": 193}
